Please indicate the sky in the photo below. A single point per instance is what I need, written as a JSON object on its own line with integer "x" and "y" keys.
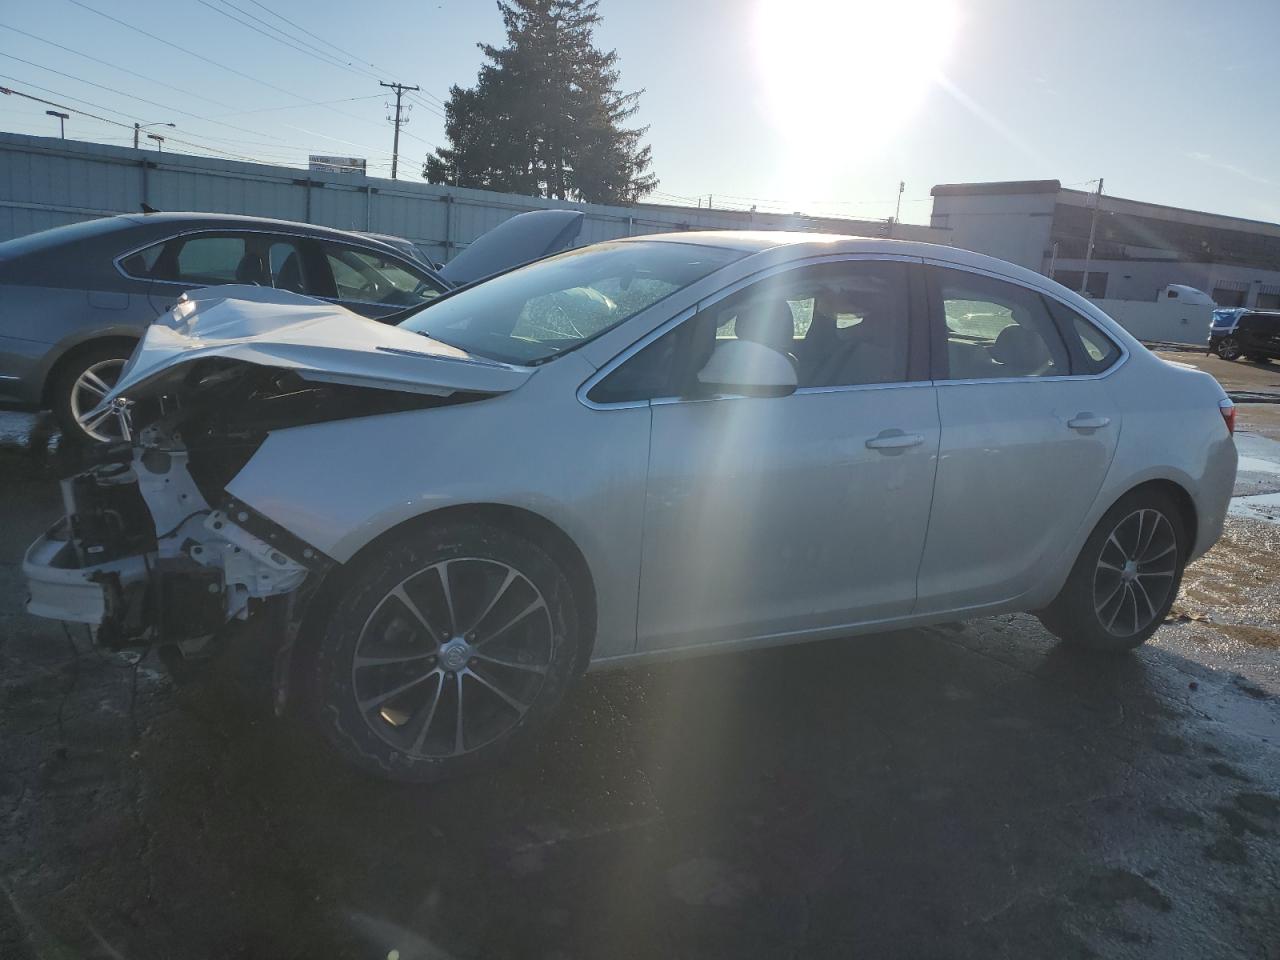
{"x": 821, "y": 106}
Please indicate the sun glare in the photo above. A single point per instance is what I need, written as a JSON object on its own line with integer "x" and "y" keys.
{"x": 840, "y": 77}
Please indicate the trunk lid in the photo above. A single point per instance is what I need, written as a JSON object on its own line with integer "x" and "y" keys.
{"x": 525, "y": 237}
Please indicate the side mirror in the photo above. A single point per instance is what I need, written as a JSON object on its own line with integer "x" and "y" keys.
{"x": 748, "y": 369}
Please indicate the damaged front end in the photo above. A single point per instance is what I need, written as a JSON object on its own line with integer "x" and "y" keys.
{"x": 152, "y": 550}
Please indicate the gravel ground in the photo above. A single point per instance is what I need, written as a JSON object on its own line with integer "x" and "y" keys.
{"x": 972, "y": 790}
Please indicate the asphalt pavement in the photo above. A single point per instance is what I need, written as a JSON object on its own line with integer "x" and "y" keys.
{"x": 973, "y": 790}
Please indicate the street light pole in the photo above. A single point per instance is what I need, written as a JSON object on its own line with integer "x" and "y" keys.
{"x": 158, "y": 139}
{"x": 62, "y": 122}
{"x": 139, "y": 127}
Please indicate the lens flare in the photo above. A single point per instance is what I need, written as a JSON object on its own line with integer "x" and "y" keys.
{"x": 841, "y": 77}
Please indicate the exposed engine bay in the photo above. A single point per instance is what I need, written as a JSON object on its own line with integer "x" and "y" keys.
{"x": 152, "y": 550}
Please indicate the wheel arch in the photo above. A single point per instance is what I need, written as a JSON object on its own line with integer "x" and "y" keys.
{"x": 533, "y": 526}
{"x": 74, "y": 351}
{"x": 1187, "y": 513}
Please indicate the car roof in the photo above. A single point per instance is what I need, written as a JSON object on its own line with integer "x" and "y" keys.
{"x": 799, "y": 245}
{"x": 234, "y": 220}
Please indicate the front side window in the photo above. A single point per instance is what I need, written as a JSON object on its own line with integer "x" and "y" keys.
{"x": 998, "y": 330}
{"x": 538, "y": 311}
{"x": 839, "y": 324}
{"x": 368, "y": 277}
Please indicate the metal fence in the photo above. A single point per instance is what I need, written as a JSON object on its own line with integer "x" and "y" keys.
{"x": 46, "y": 182}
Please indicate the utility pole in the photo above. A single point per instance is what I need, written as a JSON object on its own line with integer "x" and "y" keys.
{"x": 62, "y": 121}
{"x": 397, "y": 121}
{"x": 897, "y": 211}
{"x": 1093, "y": 229}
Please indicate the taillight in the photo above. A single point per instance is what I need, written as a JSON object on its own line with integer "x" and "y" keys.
{"x": 1228, "y": 411}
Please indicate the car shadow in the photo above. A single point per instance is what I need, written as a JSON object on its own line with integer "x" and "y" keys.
{"x": 976, "y": 785}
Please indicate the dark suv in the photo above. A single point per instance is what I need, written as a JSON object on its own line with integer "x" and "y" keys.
{"x": 1239, "y": 332}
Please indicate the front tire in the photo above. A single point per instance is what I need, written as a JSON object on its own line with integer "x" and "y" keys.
{"x": 448, "y": 646}
{"x": 1228, "y": 348}
{"x": 1126, "y": 577}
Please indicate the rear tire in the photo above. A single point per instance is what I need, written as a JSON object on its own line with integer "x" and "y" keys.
{"x": 80, "y": 382}
{"x": 448, "y": 646}
{"x": 1126, "y": 577}
{"x": 1228, "y": 348}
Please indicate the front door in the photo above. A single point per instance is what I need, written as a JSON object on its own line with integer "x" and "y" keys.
{"x": 1028, "y": 432}
{"x": 773, "y": 516}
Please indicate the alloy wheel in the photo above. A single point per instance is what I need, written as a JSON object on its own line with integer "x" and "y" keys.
{"x": 452, "y": 657}
{"x": 1229, "y": 349}
{"x": 1135, "y": 572}
{"x": 87, "y": 392}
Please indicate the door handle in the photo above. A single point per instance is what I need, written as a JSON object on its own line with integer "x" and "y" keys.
{"x": 1087, "y": 421}
{"x": 894, "y": 440}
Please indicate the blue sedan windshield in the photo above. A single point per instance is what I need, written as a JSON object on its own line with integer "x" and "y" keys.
{"x": 539, "y": 311}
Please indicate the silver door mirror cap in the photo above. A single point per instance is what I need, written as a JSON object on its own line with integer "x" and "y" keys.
{"x": 748, "y": 369}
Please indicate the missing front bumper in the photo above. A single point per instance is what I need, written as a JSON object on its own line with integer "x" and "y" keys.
{"x": 142, "y": 558}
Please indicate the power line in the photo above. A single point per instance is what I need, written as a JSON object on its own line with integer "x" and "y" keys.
{"x": 283, "y": 38}
{"x": 314, "y": 52}
{"x": 153, "y": 103}
{"x": 327, "y": 43}
{"x": 108, "y": 63}
{"x": 239, "y": 73}
{"x": 9, "y": 91}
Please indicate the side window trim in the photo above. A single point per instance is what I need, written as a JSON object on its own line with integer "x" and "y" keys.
{"x": 298, "y": 238}
{"x": 938, "y": 327}
{"x": 914, "y": 321}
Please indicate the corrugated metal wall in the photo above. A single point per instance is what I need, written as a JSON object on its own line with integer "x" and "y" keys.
{"x": 46, "y": 182}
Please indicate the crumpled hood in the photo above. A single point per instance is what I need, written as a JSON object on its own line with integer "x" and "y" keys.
{"x": 314, "y": 339}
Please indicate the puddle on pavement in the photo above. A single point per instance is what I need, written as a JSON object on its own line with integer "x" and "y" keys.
{"x": 1231, "y": 592}
{"x": 1258, "y": 473}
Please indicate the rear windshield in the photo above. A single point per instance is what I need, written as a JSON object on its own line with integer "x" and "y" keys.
{"x": 546, "y": 308}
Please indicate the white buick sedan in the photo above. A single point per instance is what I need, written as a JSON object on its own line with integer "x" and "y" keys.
{"x": 647, "y": 448}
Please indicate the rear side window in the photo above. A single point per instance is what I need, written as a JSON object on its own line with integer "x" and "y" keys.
{"x": 1093, "y": 351}
{"x": 214, "y": 260}
{"x": 997, "y": 330}
{"x": 259, "y": 259}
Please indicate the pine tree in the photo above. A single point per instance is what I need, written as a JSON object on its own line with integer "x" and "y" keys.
{"x": 546, "y": 117}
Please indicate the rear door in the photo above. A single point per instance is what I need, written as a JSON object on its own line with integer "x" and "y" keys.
{"x": 1028, "y": 432}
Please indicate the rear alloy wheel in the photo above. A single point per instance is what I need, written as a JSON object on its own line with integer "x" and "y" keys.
{"x": 1126, "y": 577}
{"x": 80, "y": 386}
{"x": 444, "y": 650}
{"x": 1229, "y": 348}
